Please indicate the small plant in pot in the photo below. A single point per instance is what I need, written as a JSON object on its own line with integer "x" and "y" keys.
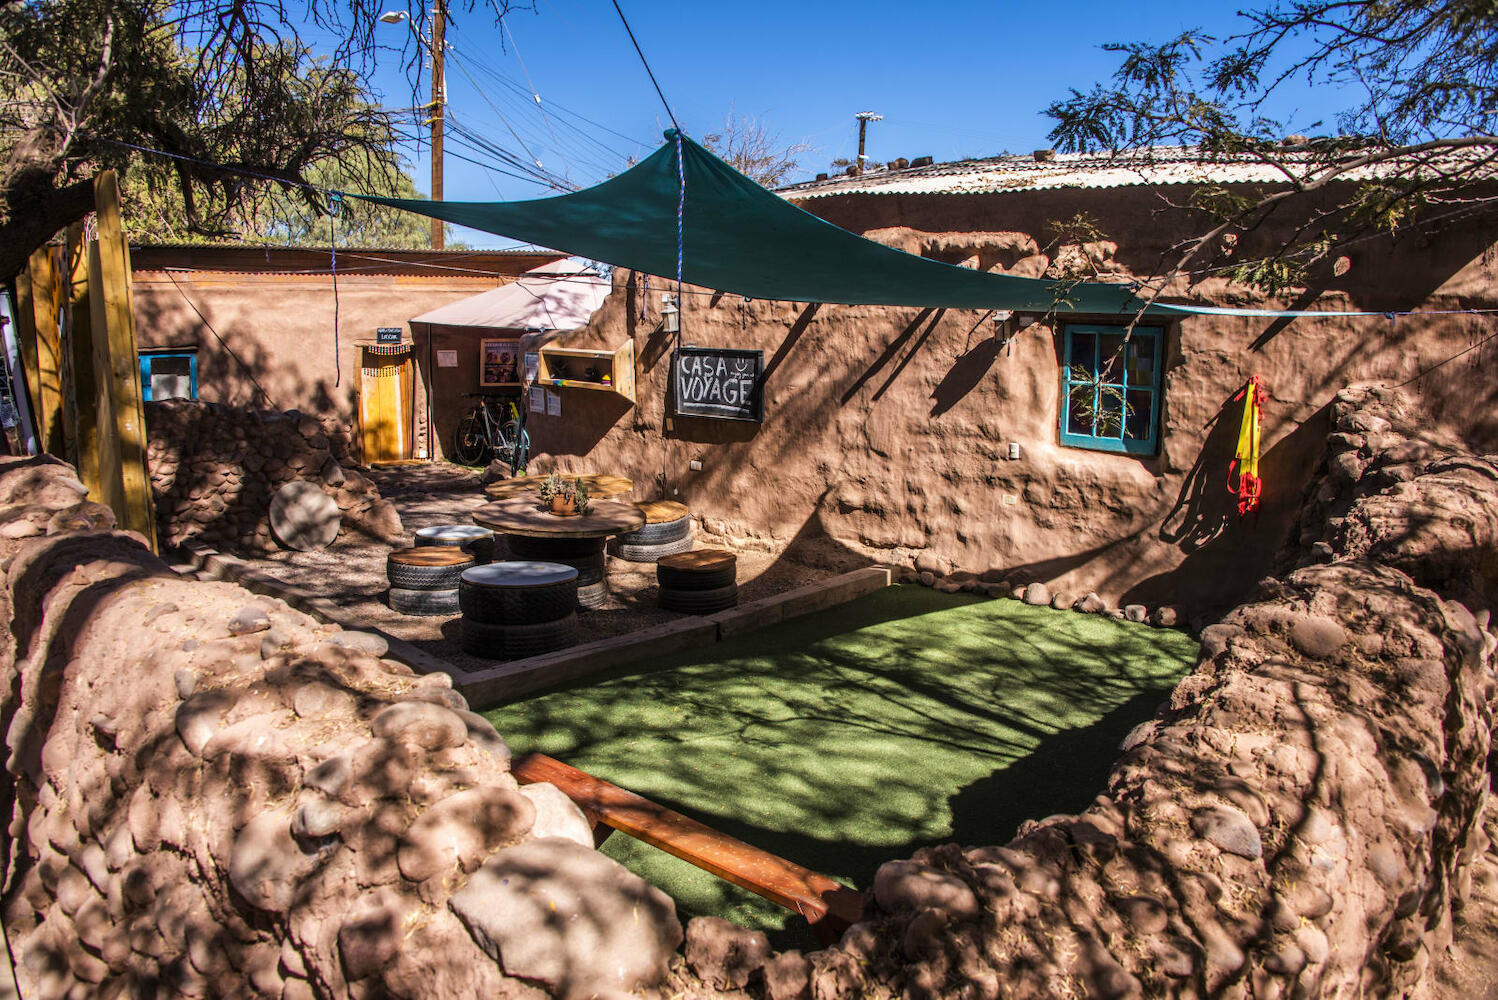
{"x": 564, "y": 498}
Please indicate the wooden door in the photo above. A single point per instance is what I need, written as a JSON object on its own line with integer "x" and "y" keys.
{"x": 385, "y": 402}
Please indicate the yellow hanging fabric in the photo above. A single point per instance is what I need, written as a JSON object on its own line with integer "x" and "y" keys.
{"x": 1245, "y": 462}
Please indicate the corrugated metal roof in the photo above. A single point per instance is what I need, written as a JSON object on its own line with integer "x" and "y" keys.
{"x": 999, "y": 174}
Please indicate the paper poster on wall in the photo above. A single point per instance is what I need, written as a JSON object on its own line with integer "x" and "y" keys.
{"x": 553, "y": 404}
{"x": 500, "y": 362}
{"x": 447, "y": 359}
{"x": 532, "y": 365}
{"x": 538, "y": 399}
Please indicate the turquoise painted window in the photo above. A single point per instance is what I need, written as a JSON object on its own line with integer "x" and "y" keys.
{"x": 1110, "y": 389}
{"x": 168, "y": 375}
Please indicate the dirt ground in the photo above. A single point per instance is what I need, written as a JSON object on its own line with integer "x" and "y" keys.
{"x": 352, "y": 575}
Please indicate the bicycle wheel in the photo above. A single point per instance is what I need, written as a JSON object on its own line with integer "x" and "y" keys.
{"x": 469, "y": 444}
{"x": 507, "y": 445}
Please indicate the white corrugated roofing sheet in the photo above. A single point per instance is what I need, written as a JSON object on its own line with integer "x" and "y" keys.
{"x": 998, "y": 174}
{"x": 558, "y": 296}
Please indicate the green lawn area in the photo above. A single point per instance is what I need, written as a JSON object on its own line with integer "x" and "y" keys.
{"x": 850, "y": 737}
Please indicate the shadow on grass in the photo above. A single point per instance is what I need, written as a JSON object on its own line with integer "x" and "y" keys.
{"x": 855, "y": 736}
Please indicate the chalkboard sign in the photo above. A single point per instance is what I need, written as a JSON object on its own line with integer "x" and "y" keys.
{"x": 388, "y": 335}
{"x": 719, "y": 382}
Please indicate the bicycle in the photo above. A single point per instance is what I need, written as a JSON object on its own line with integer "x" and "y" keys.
{"x": 482, "y": 433}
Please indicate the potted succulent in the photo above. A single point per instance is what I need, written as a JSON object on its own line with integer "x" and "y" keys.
{"x": 564, "y": 498}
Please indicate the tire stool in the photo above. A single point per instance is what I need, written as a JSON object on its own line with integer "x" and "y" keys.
{"x": 477, "y": 542}
{"x": 424, "y": 581}
{"x": 518, "y": 609}
{"x": 698, "y": 583}
{"x": 667, "y": 531}
{"x": 582, "y": 554}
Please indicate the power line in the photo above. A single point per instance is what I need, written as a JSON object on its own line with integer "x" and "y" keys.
{"x": 646, "y": 63}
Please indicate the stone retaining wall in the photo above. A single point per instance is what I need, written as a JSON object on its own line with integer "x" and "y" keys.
{"x": 1297, "y": 821}
{"x": 209, "y": 794}
{"x": 214, "y": 469}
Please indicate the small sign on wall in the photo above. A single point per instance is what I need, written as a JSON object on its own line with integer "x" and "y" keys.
{"x": 388, "y": 335}
{"x": 532, "y": 365}
{"x": 447, "y": 359}
{"x": 538, "y": 399}
{"x": 553, "y": 404}
{"x": 720, "y": 382}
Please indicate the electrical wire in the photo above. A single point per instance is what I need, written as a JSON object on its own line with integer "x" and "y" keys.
{"x": 646, "y": 63}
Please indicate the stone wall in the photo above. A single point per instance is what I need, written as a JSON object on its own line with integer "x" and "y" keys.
{"x": 215, "y": 468}
{"x": 209, "y": 794}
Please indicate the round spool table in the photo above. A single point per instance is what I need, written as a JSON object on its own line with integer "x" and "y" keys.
{"x": 600, "y": 486}
{"x": 575, "y": 541}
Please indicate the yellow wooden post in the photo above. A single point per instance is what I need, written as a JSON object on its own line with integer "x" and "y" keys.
{"x": 84, "y": 382}
{"x": 122, "y": 368}
{"x": 111, "y": 483}
{"x": 46, "y": 388}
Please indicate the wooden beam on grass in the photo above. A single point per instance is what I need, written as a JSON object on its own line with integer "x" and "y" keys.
{"x": 829, "y": 906}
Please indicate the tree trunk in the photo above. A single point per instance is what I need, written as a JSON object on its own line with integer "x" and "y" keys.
{"x": 35, "y": 212}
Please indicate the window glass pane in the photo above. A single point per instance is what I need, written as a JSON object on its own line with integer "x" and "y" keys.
{"x": 171, "y": 377}
{"x": 1109, "y": 421}
{"x": 1142, "y": 359}
{"x": 1084, "y": 351}
{"x": 1109, "y": 361}
{"x": 1140, "y": 417}
{"x": 1079, "y": 410}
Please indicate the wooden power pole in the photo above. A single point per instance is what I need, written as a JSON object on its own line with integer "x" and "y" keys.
{"x": 439, "y": 103}
{"x": 864, "y": 117}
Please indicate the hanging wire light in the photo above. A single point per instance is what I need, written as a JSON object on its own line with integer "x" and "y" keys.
{"x": 670, "y": 314}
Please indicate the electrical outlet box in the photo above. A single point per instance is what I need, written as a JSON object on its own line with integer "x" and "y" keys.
{"x": 695, "y": 465}
{"x": 1013, "y": 450}
{"x": 1010, "y": 499}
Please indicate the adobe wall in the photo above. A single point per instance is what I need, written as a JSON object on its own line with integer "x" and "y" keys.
{"x": 212, "y": 794}
{"x": 266, "y": 341}
{"x": 215, "y": 469}
{"x": 887, "y": 430}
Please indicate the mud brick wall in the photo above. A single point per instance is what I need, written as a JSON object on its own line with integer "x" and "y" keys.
{"x": 209, "y": 794}
{"x": 215, "y": 468}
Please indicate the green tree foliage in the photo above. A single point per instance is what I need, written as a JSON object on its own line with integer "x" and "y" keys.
{"x": 1414, "y": 139}
{"x": 273, "y": 215}
{"x": 228, "y": 86}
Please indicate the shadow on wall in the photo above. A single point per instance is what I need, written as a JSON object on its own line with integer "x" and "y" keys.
{"x": 1204, "y": 522}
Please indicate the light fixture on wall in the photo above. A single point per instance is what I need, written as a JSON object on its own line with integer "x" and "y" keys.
{"x": 1002, "y": 331}
{"x": 670, "y": 314}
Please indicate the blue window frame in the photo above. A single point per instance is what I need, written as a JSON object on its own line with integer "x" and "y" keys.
{"x": 168, "y": 375}
{"x": 1110, "y": 389}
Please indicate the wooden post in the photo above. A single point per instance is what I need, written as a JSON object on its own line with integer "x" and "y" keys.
{"x": 86, "y": 390}
{"x": 109, "y": 275}
{"x": 44, "y": 373}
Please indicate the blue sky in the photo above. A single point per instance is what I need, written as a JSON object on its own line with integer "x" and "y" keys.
{"x": 952, "y": 80}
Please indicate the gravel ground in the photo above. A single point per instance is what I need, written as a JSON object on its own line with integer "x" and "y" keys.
{"x": 352, "y": 575}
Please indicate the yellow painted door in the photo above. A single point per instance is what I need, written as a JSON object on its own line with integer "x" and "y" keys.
{"x": 382, "y": 391}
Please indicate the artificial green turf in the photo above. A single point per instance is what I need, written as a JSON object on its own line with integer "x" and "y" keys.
{"x": 853, "y": 736}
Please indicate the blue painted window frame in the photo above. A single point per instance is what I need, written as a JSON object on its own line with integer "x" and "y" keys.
{"x": 146, "y": 357}
{"x": 1150, "y": 443}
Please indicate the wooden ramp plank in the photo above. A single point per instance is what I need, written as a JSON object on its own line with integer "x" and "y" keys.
{"x": 828, "y": 905}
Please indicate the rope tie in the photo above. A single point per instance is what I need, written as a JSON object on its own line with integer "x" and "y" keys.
{"x": 681, "y": 210}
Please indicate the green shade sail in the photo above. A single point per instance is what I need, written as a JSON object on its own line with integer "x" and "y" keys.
{"x": 738, "y": 237}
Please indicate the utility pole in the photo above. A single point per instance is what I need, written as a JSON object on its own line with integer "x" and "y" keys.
{"x": 864, "y": 117}
{"x": 439, "y": 102}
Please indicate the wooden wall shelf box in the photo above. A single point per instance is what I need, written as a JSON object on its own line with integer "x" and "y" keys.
{"x": 563, "y": 368}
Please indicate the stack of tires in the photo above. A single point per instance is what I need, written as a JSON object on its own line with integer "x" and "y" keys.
{"x": 424, "y": 580}
{"x": 512, "y": 610}
{"x": 583, "y": 554}
{"x": 667, "y": 531}
{"x": 477, "y": 542}
{"x": 698, "y": 583}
